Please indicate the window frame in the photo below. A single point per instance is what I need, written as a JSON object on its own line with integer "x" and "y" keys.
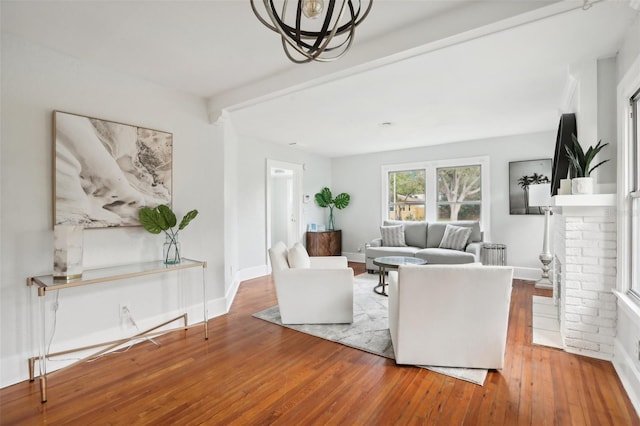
{"x": 632, "y": 219}
{"x": 423, "y": 204}
{"x": 627, "y": 88}
{"x": 463, "y": 203}
{"x": 431, "y": 187}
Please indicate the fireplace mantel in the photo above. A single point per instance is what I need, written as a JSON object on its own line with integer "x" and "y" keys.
{"x": 591, "y": 200}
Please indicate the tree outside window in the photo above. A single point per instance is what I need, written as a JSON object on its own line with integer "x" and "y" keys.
{"x": 459, "y": 193}
{"x": 437, "y": 190}
{"x": 407, "y": 195}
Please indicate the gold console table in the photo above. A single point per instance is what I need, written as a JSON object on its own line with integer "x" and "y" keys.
{"x": 95, "y": 276}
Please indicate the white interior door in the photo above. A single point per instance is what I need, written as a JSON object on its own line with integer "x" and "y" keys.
{"x": 284, "y": 203}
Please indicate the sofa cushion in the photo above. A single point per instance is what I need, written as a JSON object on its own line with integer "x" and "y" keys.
{"x": 435, "y": 231}
{"x": 455, "y": 237}
{"x": 445, "y": 256}
{"x": 392, "y": 236}
{"x": 298, "y": 257}
{"x": 373, "y": 252}
{"x": 415, "y": 233}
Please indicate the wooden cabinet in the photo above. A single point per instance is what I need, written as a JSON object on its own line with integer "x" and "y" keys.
{"x": 328, "y": 243}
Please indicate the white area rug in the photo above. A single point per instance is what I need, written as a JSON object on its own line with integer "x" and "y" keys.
{"x": 370, "y": 328}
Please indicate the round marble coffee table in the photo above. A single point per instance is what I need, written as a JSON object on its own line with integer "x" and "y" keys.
{"x": 392, "y": 262}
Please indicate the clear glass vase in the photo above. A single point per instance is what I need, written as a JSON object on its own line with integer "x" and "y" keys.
{"x": 332, "y": 224}
{"x": 171, "y": 250}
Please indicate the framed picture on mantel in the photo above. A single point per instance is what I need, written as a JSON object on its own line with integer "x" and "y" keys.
{"x": 105, "y": 171}
{"x": 522, "y": 174}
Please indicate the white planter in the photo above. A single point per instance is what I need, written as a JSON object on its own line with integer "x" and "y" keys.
{"x": 582, "y": 186}
{"x": 565, "y": 187}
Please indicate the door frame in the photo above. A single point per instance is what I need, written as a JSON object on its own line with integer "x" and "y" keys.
{"x": 296, "y": 195}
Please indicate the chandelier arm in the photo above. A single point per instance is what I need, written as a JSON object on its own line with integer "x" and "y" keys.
{"x": 325, "y": 24}
{"x": 348, "y": 40}
{"x": 313, "y": 34}
{"x": 328, "y": 38}
{"x": 304, "y": 34}
{"x": 260, "y": 18}
{"x": 286, "y": 46}
{"x": 313, "y": 52}
{"x": 298, "y": 21}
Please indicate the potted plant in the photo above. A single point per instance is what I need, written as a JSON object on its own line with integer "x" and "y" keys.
{"x": 580, "y": 164}
{"x": 324, "y": 199}
{"x": 162, "y": 218}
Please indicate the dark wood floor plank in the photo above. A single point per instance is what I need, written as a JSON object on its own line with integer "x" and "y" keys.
{"x": 254, "y": 372}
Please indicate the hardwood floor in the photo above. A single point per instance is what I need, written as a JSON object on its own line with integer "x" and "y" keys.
{"x": 253, "y": 372}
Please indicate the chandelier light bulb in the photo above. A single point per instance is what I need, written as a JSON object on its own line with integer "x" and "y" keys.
{"x": 312, "y": 8}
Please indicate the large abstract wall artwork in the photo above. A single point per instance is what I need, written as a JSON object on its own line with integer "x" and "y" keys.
{"x": 106, "y": 171}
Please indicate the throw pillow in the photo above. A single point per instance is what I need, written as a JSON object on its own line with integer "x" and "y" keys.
{"x": 455, "y": 237}
{"x": 298, "y": 257}
{"x": 392, "y": 236}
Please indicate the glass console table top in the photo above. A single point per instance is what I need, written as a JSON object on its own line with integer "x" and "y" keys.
{"x": 112, "y": 273}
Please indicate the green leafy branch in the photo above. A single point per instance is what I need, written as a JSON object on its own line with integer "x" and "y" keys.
{"x": 581, "y": 161}
{"x": 162, "y": 219}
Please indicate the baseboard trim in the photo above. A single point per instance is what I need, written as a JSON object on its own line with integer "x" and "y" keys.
{"x": 251, "y": 273}
{"x": 628, "y": 374}
{"x": 242, "y": 275}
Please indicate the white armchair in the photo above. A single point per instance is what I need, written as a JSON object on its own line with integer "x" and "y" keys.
{"x": 313, "y": 290}
{"x": 450, "y": 315}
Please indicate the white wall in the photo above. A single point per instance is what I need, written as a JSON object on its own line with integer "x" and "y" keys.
{"x": 251, "y": 178}
{"x": 607, "y": 123}
{"x": 36, "y": 81}
{"x": 360, "y": 176}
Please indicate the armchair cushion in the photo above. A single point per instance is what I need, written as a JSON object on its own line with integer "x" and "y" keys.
{"x": 298, "y": 257}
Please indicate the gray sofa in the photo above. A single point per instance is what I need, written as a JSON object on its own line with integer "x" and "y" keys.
{"x": 423, "y": 239}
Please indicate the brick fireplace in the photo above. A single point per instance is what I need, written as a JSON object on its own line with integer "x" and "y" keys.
{"x": 584, "y": 244}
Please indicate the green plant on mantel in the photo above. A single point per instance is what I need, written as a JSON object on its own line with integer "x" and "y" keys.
{"x": 163, "y": 219}
{"x": 581, "y": 161}
{"x": 324, "y": 198}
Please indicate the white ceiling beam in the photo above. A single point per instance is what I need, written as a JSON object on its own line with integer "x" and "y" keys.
{"x": 466, "y": 22}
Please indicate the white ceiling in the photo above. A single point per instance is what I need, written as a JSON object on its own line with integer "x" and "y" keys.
{"x": 438, "y": 71}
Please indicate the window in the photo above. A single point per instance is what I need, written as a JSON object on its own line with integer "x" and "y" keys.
{"x": 437, "y": 191}
{"x": 406, "y": 199}
{"x": 634, "y": 194}
{"x": 459, "y": 193}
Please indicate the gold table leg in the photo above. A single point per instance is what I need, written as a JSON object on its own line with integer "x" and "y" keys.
{"x": 43, "y": 389}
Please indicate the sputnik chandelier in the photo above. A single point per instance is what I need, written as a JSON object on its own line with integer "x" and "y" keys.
{"x": 321, "y": 40}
